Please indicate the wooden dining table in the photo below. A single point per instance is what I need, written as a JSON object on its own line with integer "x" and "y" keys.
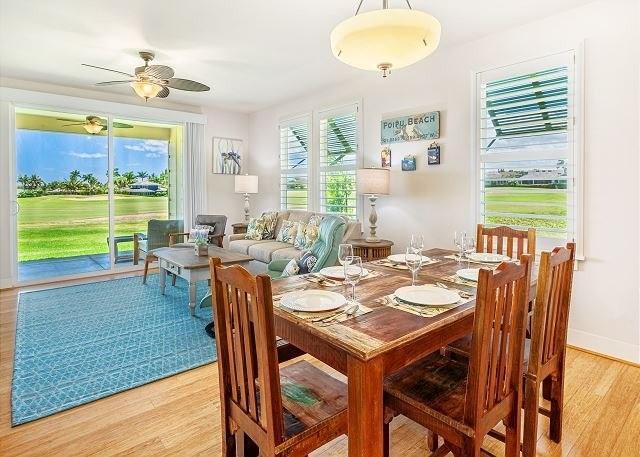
{"x": 367, "y": 348}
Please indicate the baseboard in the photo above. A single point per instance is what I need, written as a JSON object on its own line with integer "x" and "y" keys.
{"x": 604, "y": 346}
{"x": 5, "y": 284}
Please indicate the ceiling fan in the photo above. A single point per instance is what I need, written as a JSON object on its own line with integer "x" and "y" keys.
{"x": 149, "y": 81}
{"x": 94, "y": 124}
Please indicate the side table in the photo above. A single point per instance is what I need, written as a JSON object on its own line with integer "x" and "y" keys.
{"x": 240, "y": 227}
{"x": 370, "y": 251}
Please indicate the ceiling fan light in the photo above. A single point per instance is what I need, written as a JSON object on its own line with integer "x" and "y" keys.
{"x": 93, "y": 128}
{"x": 146, "y": 89}
{"x": 385, "y": 39}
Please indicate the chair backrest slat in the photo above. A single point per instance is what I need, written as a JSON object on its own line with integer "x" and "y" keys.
{"x": 508, "y": 241}
{"x": 497, "y": 347}
{"x": 246, "y": 347}
{"x": 551, "y": 310}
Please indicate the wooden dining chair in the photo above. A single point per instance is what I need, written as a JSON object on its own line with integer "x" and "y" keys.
{"x": 462, "y": 400}
{"x": 291, "y": 410}
{"x": 505, "y": 240}
{"x": 545, "y": 352}
{"x": 548, "y": 345}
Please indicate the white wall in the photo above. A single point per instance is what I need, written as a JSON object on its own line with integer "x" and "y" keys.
{"x": 437, "y": 200}
{"x": 221, "y": 198}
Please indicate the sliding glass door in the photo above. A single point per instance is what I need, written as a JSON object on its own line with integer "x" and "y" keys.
{"x": 67, "y": 207}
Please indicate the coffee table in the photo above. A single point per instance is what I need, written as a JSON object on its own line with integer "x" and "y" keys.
{"x": 182, "y": 262}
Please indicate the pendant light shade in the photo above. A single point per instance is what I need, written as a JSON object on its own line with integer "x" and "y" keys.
{"x": 146, "y": 89}
{"x": 385, "y": 39}
{"x": 93, "y": 128}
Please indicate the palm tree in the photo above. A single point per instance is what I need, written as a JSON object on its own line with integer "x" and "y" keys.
{"x": 129, "y": 177}
{"x": 23, "y": 181}
{"x": 142, "y": 174}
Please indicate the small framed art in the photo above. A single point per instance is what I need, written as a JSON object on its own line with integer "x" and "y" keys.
{"x": 385, "y": 158}
{"x": 433, "y": 154}
{"x": 409, "y": 163}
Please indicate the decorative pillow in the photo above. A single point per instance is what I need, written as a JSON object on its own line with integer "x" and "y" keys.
{"x": 306, "y": 263}
{"x": 291, "y": 269}
{"x": 270, "y": 221}
{"x": 301, "y": 237}
{"x": 287, "y": 233}
{"x": 312, "y": 231}
{"x": 255, "y": 229}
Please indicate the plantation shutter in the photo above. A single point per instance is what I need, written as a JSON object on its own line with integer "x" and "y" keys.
{"x": 338, "y": 155}
{"x": 526, "y": 142}
{"x": 294, "y": 163}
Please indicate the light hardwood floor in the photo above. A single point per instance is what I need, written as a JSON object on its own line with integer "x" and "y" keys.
{"x": 180, "y": 415}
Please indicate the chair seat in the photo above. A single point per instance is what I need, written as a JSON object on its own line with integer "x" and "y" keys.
{"x": 309, "y": 397}
{"x": 436, "y": 386}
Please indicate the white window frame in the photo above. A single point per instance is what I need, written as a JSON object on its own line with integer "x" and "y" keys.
{"x": 313, "y": 170}
{"x": 576, "y": 59}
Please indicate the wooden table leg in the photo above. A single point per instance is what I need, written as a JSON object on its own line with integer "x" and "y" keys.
{"x": 163, "y": 280}
{"x": 192, "y": 297}
{"x": 366, "y": 407}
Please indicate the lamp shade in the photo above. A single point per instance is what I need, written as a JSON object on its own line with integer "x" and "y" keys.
{"x": 385, "y": 39}
{"x": 246, "y": 184}
{"x": 146, "y": 89}
{"x": 373, "y": 181}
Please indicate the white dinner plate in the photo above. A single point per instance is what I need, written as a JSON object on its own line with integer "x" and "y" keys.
{"x": 337, "y": 272}
{"x": 400, "y": 258}
{"x": 470, "y": 274}
{"x": 488, "y": 257}
{"x": 427, "y": 295}
{"x": 313, "y": 301}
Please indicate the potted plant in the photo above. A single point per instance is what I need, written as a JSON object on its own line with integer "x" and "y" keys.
{"x": 201, "y": 239}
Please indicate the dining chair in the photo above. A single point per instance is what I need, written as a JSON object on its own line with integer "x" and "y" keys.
{"x": 289, "y": 410}
{"x": 506, "y": 240}
{"x": 462, "y": 400}
{"x": 545, "y": 352}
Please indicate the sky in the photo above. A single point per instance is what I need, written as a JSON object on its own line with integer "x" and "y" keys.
{"x": 52, "y": 155}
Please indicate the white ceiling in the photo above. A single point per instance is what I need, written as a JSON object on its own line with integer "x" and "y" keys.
{"x": 253, "y": 53}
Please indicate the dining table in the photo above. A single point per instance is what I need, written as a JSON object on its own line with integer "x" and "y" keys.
{"x": 382, "y": 336}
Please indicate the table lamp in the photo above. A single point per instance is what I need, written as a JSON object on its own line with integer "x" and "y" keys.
{"x": 246, "y": 184}
{"x": 373, "y": 182}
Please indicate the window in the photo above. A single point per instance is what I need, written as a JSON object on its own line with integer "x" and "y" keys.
{"x": 294, "y": 163}
{"x": 318, "y": 172}
{"x": 526, "y": 147}
{"x": 338, "y": 133}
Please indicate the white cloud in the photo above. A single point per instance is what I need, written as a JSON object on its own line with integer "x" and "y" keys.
{"x": 156, "y": 146}
{"x": 88, "y": 155}
{"x": 152, "y": 155}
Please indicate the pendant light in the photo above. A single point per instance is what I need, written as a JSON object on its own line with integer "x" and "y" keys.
{"x": 146, "y": 89}
{"x": 385, "y": 39}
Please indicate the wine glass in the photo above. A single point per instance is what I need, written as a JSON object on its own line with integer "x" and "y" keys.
{"x": 344, "y": 251}
{"x": 471, "y": 245}
{"x": 460, "y": 240}
{"x": 417, "y": 243}
{"x": 352, "y": 273}
{"x": 413, "y": 260}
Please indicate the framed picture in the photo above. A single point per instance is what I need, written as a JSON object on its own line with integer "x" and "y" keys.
{"x": 433, "y": 154}
{"x": 417, "y": 127}
{"x": 227, "y": 156}
{"x": 409, "y": 163}
{"x": 385, "y": 158}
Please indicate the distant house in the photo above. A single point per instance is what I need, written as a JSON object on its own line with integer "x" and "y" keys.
{"x": 145, "y": 187}
{"x": 533, "y": 177}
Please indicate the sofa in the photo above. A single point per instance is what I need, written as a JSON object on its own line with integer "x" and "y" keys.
{"x": 265, "y": 251}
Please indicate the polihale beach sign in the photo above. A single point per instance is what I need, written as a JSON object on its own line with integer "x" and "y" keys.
{"x": 424, "y": 126}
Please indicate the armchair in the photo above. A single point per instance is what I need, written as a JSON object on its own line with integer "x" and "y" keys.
{"x": 325, "y": 249}
{"x": 216, "y": 236}
{"x": 157, "y": 236}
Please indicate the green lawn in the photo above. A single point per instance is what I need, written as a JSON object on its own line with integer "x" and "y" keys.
{"x": 56, "y": 226}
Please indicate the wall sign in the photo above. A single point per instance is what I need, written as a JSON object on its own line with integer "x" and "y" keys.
{"x": 424, "y": 126}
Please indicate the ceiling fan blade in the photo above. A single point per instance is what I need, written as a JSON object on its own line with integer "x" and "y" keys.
{"x": 109, "y": 69}
{"x": 120, "y": 125}
{"x": 164, "y": 93}
{"x": 156, "y": 71}
{"x": 187, "y": 84}
{"x": 71, "y": 125}
{"x": 66, "y": 120}
{"x": 113, "y": 83}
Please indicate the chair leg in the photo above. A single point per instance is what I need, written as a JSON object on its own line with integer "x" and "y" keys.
{"x": 530, "y": 436}
{"x": 432, "y": 441}
{"x": 146, "y": 270}
{"x": 386, "y": 439}
{"x": 228, "y": 442}
{"x": 471, "y": 447}
{"x": 173, "y": 282}
{"x": 546, "y": 388}
{"x": 557, "y": 394}
{"x": 512, "y": 434}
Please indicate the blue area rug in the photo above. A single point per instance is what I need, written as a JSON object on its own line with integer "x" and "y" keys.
{"x": 80, "y": 343}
